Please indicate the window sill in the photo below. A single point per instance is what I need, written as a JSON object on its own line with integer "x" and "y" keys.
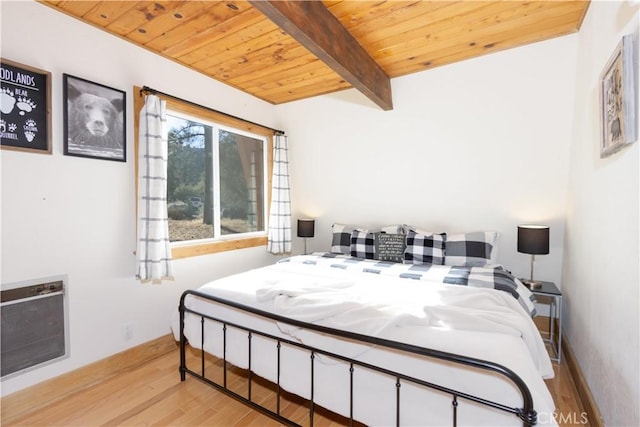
{"x": 187, "y": 251}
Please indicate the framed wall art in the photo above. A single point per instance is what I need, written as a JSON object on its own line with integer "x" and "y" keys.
{"x": 25, "y": 102}
{"x": 618, "y": 107}
{"x": 94, "y": 120}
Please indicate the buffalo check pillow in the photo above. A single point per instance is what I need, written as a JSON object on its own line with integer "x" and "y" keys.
{"x": 425, "y": 248}
{"x": 341, "y": 235}
{"x": 471, "y": 249}
{"x": 341, "y": 241}
{"x": 362, "y": 244}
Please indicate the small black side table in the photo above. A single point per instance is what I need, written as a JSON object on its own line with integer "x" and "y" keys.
{"x": 551, "y": 291}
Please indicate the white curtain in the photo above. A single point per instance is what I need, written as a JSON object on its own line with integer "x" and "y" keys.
{"x": 154, "y": 250}
{"x": 279, "y": 237}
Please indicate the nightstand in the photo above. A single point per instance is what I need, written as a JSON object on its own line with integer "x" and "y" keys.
{"x": 550, "y": 291}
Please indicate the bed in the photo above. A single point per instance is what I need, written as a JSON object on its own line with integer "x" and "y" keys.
{"x": 378, "y": 342}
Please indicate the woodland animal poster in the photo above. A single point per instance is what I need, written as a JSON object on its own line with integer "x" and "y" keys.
{"x": 25, "y": 103}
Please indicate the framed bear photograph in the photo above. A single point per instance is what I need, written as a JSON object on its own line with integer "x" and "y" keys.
{"x": 94, "y": 120}
{"x": 25, "y": 102}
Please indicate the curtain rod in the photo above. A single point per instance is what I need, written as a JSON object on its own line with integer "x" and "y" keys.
{"x": 154, "y": 91}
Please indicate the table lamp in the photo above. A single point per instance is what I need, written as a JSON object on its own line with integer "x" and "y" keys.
{"x": 533, "y": 240}
{"x": 306, "y": 228}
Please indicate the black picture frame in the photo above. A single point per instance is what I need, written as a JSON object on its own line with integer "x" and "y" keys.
{"x": 25, "y": 103}
{"x": 94, "y": 120}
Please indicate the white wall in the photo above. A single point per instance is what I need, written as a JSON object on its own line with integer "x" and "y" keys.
{"x": 477, "y": 145}
{"x": 601, "y": 275}
{"x": 75, "y": 216}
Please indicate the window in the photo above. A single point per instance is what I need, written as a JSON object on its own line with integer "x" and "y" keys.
{"x": 215, "y": 185}
{"x": 217, "y": 180}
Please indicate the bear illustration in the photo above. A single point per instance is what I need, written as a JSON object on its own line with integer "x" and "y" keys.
{"x": 93, "y": 119}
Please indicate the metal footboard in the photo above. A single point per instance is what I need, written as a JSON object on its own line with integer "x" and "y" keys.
{"x": 526, "y": 414}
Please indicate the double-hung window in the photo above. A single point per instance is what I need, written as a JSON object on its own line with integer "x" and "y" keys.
{"x": 218, "y": 171}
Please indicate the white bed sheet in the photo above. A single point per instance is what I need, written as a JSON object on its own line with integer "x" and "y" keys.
{"x": 498, "y": 330}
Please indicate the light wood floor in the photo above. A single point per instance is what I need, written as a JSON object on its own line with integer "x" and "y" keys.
{"x": 153, "y": 395}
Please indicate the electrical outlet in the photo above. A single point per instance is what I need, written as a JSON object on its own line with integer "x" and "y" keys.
{"x": 127, "y": 331}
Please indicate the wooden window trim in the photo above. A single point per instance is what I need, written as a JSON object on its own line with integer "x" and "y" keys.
{"x": 185, "y": 250}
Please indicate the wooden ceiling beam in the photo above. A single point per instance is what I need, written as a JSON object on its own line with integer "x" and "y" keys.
{"x": 312, "y": 25}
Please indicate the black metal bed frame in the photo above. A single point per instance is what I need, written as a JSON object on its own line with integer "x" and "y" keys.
{"x": 526, "y": 414}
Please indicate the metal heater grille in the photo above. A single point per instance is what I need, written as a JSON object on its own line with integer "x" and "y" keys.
{"x": 34, "y": 324}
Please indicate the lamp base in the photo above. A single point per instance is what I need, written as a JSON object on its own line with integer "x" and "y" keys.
{"x": 531, "y": 284}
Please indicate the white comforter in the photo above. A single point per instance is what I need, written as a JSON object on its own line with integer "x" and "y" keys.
{"x": 480, "y": 323}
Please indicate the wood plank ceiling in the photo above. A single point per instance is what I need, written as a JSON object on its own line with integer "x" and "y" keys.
{"x": 233, "y": 42}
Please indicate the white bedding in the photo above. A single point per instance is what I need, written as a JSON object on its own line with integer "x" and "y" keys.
{"x": 482, "y": 323}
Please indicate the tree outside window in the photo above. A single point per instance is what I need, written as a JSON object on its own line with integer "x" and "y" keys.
{"x": 216, "y": 184}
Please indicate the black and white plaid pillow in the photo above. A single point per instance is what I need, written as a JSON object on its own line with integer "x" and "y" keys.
{"x": 341, "y": 241}
{"x": 471, "y": 249}
{"x": 425, "y": 248}
{"x": 362, "y": 244}
{"x": 341, "y": 235}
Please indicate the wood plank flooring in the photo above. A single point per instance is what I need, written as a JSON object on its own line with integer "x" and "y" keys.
{"x": 153, "y": 395}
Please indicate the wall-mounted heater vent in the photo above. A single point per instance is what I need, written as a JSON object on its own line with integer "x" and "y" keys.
{"x": 34, "y": 324}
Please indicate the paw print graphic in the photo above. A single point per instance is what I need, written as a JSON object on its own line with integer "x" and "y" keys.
{"x": 12, "y": 127}
{"x": 29, "y": 135}
{"x": 7, "y": 100}
{"x": 3, "y": 126}
{"x": 30, "y": 129}
{"x": 25, "y": 104}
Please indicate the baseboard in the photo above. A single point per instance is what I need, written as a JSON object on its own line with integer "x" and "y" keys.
{"x": 589, "y": 404}
{"x": 35, "y": 397}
